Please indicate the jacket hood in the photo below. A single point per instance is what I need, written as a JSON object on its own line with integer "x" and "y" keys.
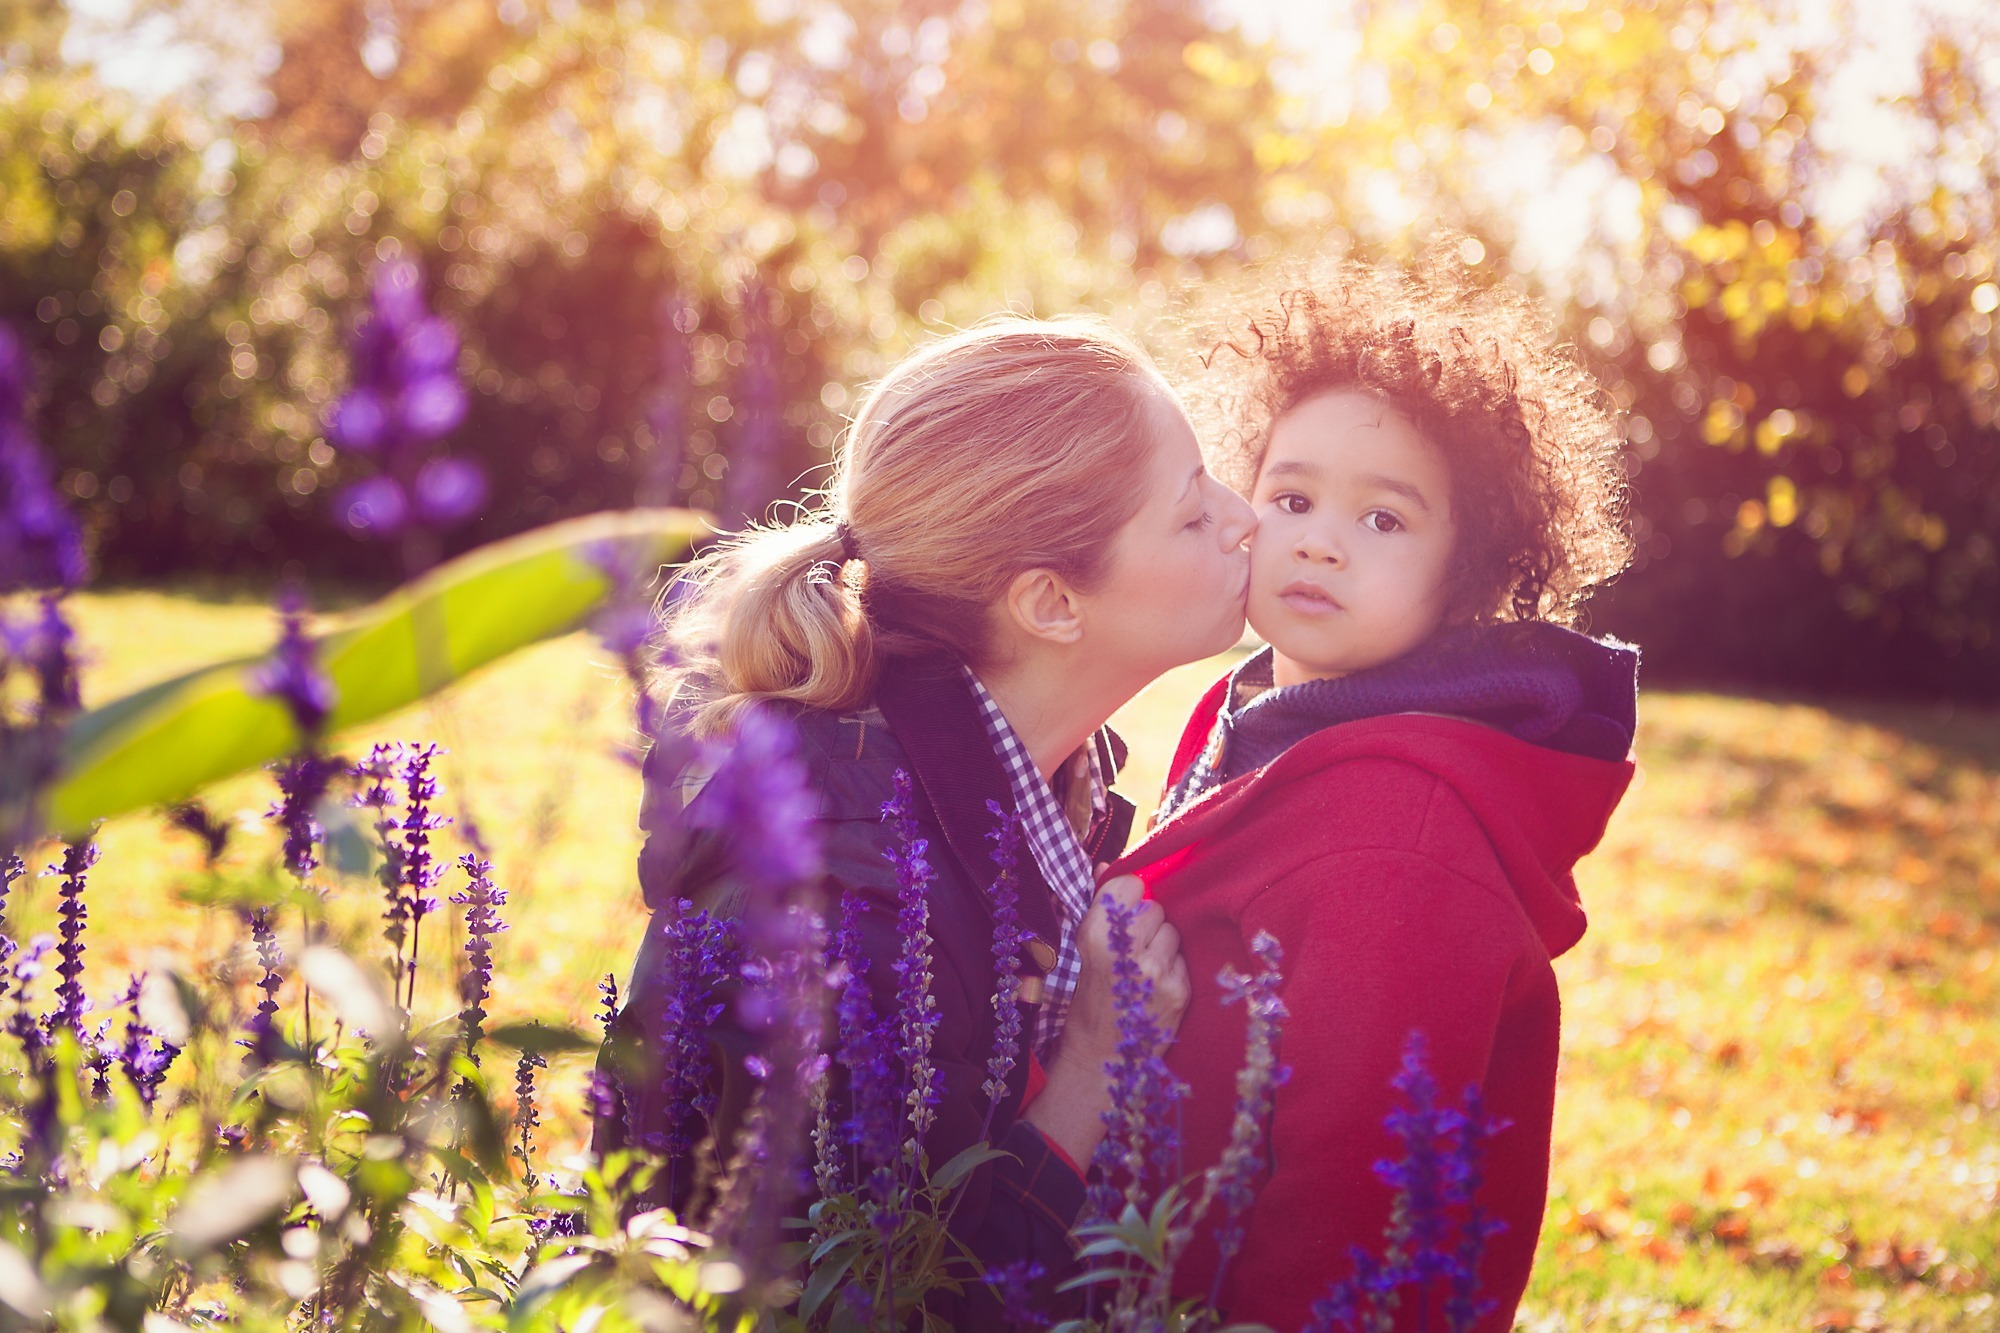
{"x": 1541, "y": 809}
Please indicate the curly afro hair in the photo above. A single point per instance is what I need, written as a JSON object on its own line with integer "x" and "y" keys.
{"x": 1531, "y": 442}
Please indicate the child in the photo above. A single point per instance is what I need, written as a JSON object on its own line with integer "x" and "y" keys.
{"x": 1398, "y": 787}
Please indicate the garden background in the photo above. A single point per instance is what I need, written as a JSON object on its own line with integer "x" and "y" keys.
{"x": 676, "y": 239}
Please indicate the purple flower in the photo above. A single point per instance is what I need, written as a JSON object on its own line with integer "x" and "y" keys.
{"x": 406, "y": 396}
{"x": 1014, "y": 1287}
{"x": 877, "y": 1083}
{"x": 302, "y": 783}
{"x": 1435, "y": 1181}
{"x": 1005, "y": 894}
{"x": 916, "y": 1008}
{"x": 193, "y": 817}
{"x": 1231, "y": 1180}
{"x": 1143, "y": 1138}
{"x": 41, "y": 546}
{"x": 702, "y": 951}
{"x": 403, "y": 830}
{"x": 607, "y": 1005}
{"x": 482, "y": 922}
{"x": 761, "y": 800}
{"x": 292, "y": 674}
{"x": 145, "y": 1057}
{"x": 261, "y": 1031}
{"x": 766, "y": 1174}
{"x": 526, "y": 1118}
{"x": 72, "y": 1004}
{"x": 12, "y": 867}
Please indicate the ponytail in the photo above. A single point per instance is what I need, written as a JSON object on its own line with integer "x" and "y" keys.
{"x": 770, "y": 615}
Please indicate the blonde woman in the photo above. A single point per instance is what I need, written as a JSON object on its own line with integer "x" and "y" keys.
{"x": 1018, "y": 537}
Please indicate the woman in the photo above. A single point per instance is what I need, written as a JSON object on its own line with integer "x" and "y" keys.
{"x": 1018, "y": 537}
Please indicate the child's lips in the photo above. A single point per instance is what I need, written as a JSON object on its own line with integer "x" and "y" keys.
{"x": 1308, "y": 598}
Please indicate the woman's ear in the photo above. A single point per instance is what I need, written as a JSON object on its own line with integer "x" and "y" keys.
{"x": 1041, "y": 604}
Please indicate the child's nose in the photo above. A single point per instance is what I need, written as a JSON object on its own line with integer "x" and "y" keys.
{"x": 1318, "y": 546}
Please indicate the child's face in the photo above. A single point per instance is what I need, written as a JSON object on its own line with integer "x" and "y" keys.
{"x": 1354, "y": 538}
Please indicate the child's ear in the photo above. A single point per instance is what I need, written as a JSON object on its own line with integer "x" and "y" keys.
{"x": 1043, "y": 606}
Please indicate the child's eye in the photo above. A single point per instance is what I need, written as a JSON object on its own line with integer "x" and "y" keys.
{"x": 1293, "y": 503}
{"x": 1381, "y": 520}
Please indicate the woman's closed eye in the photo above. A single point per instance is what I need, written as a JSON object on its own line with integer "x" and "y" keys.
{"x": 1202, "y": 521}
{"x": 1382, "y": 520}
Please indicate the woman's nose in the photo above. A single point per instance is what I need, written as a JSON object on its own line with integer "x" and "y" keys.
{"x": 1235, "y": 519}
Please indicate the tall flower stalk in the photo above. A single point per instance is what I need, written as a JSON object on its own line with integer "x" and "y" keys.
{"x": 1004, "y": 893}
{"x": 403, "y": 791}
{"x": 482, "y": 902}
{"x": 1436, "y": 1232}
{"x": 405, "y": 398}
{"x": 292, "y": 675}
{"x": 41, "y": 552}
{"x": 72, "y": 1004}
{"x": 916, "y": 1008}
{"x": 1142, "y": 1142}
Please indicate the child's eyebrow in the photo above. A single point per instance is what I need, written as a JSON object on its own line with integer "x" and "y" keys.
{"x": 1375, "y": 481}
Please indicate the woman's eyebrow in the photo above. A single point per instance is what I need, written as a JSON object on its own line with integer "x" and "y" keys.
{"x": 1193, "y": 477}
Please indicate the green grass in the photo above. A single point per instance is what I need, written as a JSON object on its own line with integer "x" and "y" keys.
{"x": 1780, "y": 1100}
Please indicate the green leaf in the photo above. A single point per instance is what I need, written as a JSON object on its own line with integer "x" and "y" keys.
{"x": 825, "y": 1277}
{"x": 165, "y": 742}
{"x": 958, "y": 1168}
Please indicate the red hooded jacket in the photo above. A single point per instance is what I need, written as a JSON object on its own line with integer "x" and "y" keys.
{"x": 1416, "y": 870}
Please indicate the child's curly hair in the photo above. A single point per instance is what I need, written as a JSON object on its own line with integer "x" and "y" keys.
{"x": 1527, "y": 434}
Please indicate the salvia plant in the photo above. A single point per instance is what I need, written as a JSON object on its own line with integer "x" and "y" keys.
{"x": 406, "y": 397}
{"x": 300, "y": 1136}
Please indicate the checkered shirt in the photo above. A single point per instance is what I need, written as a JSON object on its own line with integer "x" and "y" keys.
{"x": 1058, "y": 851}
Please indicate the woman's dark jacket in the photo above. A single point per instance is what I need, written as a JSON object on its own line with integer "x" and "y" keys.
{"x": 926, "y": 722}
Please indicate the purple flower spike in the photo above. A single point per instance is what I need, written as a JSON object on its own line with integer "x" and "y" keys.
{"x": 293, "y": 672}
{"x": 40, "y": 544}
{"x": 916, "y": 1008}
{"x": 482, "y": 902}
{"x": 449, "y": 491}
{"x": 1014, "y": 1287}
{"x": 375, "y": 507}
{"x": 761, "y": 799}
{"x": 1436, "y": 1181}
{"x": 72, "y": 1004}
{"x": 877, "y": 1087}
{"x": 1005, "y": 895}
{"x": 261, "y": 1032}
{"x": 1143, "y": 1139}
{"x": 1232, "y": 1180}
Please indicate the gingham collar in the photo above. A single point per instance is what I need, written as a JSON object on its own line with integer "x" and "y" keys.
{"x": 1056, "y": 844}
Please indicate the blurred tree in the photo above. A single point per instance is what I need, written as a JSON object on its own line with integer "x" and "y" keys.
{"x": 1813, "y": 394}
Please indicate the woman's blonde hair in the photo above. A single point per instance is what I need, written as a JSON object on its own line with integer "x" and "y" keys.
{"x": 1016, "y": 444}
